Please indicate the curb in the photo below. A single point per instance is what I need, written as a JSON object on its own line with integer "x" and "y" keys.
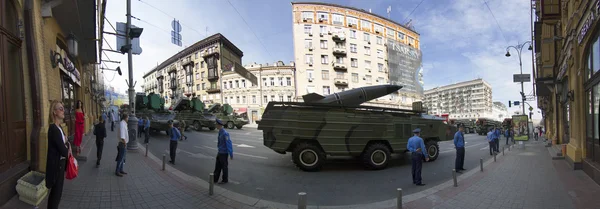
{"x": 255, "y": 202}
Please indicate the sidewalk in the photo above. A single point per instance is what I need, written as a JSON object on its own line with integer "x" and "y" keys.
{"x": 522, "y": 178}
{"x": 145, "y": 185}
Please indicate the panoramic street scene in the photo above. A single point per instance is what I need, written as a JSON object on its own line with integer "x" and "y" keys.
{"x": 274, "y": 104}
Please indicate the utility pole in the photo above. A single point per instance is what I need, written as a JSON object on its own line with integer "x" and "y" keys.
{"x": 132, "y": 123}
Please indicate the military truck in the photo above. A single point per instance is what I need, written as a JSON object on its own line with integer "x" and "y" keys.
{"x": 484, "y": 124}
{"x": 192, "y": 111}
{"x": 337, "y": 125}
{"x": 152, "y": 106}
{"x": 225, "y": 113}
{"x": 468, "y": 124}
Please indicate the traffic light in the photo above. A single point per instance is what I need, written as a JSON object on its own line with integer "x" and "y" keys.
{"x": 509, "y": 103}
{"x": 119, "y": 70}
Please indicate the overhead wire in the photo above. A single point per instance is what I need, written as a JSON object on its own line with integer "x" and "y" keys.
{"x": 172, "y": 17}
{"x": 244, "y": 19}
{"x": 406, "y": 18}
{"x": 497, "y": 23}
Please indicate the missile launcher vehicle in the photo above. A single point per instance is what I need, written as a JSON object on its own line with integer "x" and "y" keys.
{"x": 338, "y": 125}
{"x": 152, "y": 106}
{"x": 225, "y": 113}
{"x": 193, "y": 112}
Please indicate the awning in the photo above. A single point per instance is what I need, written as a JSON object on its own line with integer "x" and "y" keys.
{"x": 241, "y": 110}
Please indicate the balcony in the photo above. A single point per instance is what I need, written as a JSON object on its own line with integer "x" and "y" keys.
{"x": 340, "y": 67}
{"x": 210, "y": 53}
{"x": 187, "y": 61}
{"x": 341, "y": 81}
{"x": 172, "y": 68}
{"x": 213, "y": 90}
{"x": 212, "y": 75}
{"x": 339, "y": 51}
{"x": 338, "y": 38}
{"x": 159, "y": 75}
{"x": 173, "y": 84}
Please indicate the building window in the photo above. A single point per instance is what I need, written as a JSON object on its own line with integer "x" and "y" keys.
{"x": 202, "y": 75}
{"x": 309, "y": 73}
{"x": 265, "y": 83}
{"x": 289, "y": 98}
{"x": 391, "y": 32}
{"x": 380, "y": 80}
{"x": 289, "y": 81}
{"x": 225, "y": 84}
{"x": 323, "y": 30}
{"x": 266, "y": 99}
{"x": 281, "y": 98}
{"x": 237, "y": 84}
{"x": 400, "y": 35}
{"x": 411, "y": 40}
{"x": 280, "y": 79}
{"x": 273, "y": 98}
{"x": 338, "y": 19}
{"x": 253, "y": 99}
{"x": 365, "y": 25}
{"x": 352, "y": 34}
{"x": 367, "y": 37}
{"x": 355, "y": 77}
{"x": 379, "y": 40}
{"x": 197, "y": 66}
{"x": 230, "y": 84}
{"x": 324, "y": 59}
{"x": 368, "y": 78}
{"x": 354, "y": 62}
{"x": 339, "y": 75}
{"x": 339, "y": 60}
{"x": 308, "y": 59}
{"x": 367, "y": 50}
{"x": 197, "y": 87}
{"x": 203, "y": 86}
{"x": 379, "y": 53}
{"x": 367, "y": 64}
{"x": 379, "y": 67}
{"x": 352, "y": 20}
{"x": 237, "y": 99}
{"x": 323, "y": 44}
{"x": 353, "y": 48}
{"x": 325, "y": 75}
{"x": 307, "y": 29}
{"x": 244, "y": 83}
{"x": 307, "y": 43}
{"x": 197, "y": 76}
{"x": 272, "y": 81}
{"x": 326, "y": 90}
{"x": 196, "y": 56}
{"x": 243, "y": 99}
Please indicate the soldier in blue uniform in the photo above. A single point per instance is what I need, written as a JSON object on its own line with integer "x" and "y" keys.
{"x": 490, "y": 138}
{"x": 225, "y": 148}
{"x": 417, "y": 147}
{"x": 459, "y": 144}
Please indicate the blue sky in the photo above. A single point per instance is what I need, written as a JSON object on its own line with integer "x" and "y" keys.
{"x": 460, "y": 38}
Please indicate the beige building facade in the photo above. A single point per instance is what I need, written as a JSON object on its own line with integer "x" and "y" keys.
{"x": 276, "y": 83}
{"x": 338, "y": 48}
{"x": 196, "y": 71}
{"x": 464, "y": 100}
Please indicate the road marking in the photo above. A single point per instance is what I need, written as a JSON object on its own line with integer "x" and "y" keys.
{"x": 242, "y": 154}
{"x": 465, "y": 148}
{"x": 247, "y": 133}
{"x": 244, "y": 145}
{"x": 486, "y": 147}
{"x": 195, "y": 155}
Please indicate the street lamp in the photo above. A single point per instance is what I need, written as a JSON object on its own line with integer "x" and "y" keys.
{"x": 519, "y": 49}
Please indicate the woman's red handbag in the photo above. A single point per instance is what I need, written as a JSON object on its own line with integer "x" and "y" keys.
{"x": 72, "y": 167}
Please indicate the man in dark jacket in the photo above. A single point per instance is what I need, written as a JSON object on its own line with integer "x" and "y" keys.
{"x": 100, "y": 132}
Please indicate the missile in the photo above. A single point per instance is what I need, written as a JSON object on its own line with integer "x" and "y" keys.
{"x": 353, "y": 97}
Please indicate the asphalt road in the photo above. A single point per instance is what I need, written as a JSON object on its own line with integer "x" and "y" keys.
{"x": 259, "y": 172}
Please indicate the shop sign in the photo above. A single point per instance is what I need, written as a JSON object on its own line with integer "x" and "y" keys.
{"x": 595, "y": 11}
{"x": 69, "y": 68}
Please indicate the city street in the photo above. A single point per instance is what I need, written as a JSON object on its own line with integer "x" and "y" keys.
{"x": 259, "y": 172}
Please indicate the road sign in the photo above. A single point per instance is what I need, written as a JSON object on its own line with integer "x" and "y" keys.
{"x": 176, "y": 32}
{"x": 530, "y": 108}
{"x": 518, "y": 78}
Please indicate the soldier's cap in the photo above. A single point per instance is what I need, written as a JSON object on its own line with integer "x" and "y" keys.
{"x": 417, "y": 130}
{"x": 170, "y": 122}
{"x": 219, "y": 122}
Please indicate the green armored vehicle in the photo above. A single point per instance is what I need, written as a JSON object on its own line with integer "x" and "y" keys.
{"x": 225, "y": 113}
{"x": 337, "y": 125}
{"x": 152, "y": 106}
{"x": 192, "y": 111}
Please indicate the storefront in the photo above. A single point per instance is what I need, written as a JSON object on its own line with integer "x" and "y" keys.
{"x": 70, "y": 82}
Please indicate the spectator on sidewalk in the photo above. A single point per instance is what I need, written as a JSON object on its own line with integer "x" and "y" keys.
{"x": 140, "y": 127}
{"x": 496, "y": 136}
{"x": 110, "y": 119}
{"x": 490, "y": 138}
{"x": 507, "y": 135}
{"x": 100, "y": 133}
{"x": 459, "y": 144}
{"x": 147, "y": 130}
{"x": 225, "y": 148}
{"x": 175, "y": 135}
{"x": 58, "y": 151}
{"x": 121, "y": 147}
{"x": 417, "y": 148}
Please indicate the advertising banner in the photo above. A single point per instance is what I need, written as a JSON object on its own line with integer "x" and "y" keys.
{"x": 405, "y": 66}
{"x": 520, "y": 127}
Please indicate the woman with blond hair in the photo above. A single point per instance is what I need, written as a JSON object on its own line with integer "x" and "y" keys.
{"x": 58, "y": 151}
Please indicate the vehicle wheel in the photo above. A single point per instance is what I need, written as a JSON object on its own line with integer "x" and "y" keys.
{"x": 197, "y": 126}
{"x": 308, "y": 157}
{"x": 211, "y": 129}
{"x": 238, "y": 127}
{"x": 230, "y": 125}
{"x": 433, "y": 150}
{"x": 376, "y": 156}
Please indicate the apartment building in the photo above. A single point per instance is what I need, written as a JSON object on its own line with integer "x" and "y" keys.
{"x": 276, "y": 83}
{"x": 338, "y": 47}
{"x": 500, "y": 111}
{"x": 465, "y": 100}
{"x": 197, "y": 71}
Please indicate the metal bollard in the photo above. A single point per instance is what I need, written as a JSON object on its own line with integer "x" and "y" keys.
{"x": 454, "y": 177}
{"x": 211, "y": 183}
{"x": 146, "y": 150}
{"x": 481, "y": 164}
{"x": 399, "y": 199}
{"x": 164, "y": 157}
{"x": 494, "y": 157}
{"x": 302, "y": 200}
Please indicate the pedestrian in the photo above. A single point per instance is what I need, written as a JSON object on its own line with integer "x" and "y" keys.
{"x": 100, "y": 133}
{"x": 182, "y": 126}
{"x": 104, "y": 117}
{"x": 535, "y": 134}
{"x": 490, "y": 138}
{"x": 459, "y": 144}
{"x": 225, "y": 148}
{"x": 417, "y": 148}
{"x": 122, "y": 145}
{"x": 147, "y": 130}
{"x": 58, "y": 151}
{"x": 140, "y": 129}
{"x": 496, "y": 137}
{"x": 114, "y": 119}
{"x": 507, "y": 135}
{"x": 175, "y": 135}
{"x": 79, "y": 126}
